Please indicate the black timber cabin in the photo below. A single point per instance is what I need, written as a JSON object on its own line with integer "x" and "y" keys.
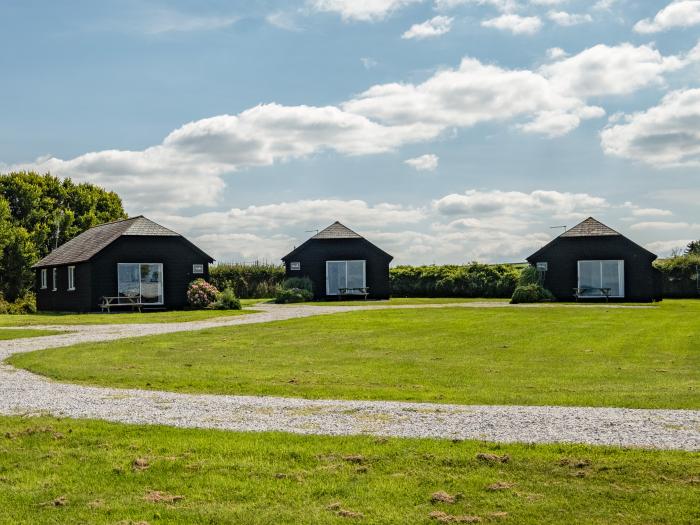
{"x": 337, "y": 258}
{"x": 593, "y": 261}
{"x": 132, "y": 259}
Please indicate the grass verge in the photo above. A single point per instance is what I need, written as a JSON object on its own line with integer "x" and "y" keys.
{"x": 66, "y": 318}
{"x": 21, "y": 334}
{"x": 70, "y": 471}
{"x": 535, "y": 356}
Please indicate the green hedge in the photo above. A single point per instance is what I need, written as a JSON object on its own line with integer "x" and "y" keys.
{"x": 248, "y": 281}
{"x": 680, "y": 275}
{"x": 468, "y": 280}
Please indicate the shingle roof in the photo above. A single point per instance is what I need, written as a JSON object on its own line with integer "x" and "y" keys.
{"x": 337, "y": 231}
{"x": 589, "y": 228}
{"x": 84, "y": 246}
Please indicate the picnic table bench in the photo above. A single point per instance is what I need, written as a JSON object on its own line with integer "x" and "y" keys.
{"x": 585, "y": 293}
{"x": 364, "y": 291}
{"x": 107, "y": 303}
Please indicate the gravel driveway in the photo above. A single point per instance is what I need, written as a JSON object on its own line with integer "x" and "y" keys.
{"x": 22, "y": 392}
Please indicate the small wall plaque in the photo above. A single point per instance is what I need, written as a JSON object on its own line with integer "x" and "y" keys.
{"x": 198, "y": 269}
{"x": 295, "y": 266}
{"x": 541, "y": 266}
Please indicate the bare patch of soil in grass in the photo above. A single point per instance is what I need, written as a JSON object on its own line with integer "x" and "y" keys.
{"x": 156, "y": 496}
{"x": 500, "y": 485}
{"x": 444, "y": 517}
{"x": 493, "y": 458}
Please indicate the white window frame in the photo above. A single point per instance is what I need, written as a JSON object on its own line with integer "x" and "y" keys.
{"x": 54, "y": 279}
{"x": 162, "y": 280}
{"x": 71, "y": 278}
{"x": 620, "y": 275}
{"x": 44, "y": 277}
{"x": 364, "y": 273}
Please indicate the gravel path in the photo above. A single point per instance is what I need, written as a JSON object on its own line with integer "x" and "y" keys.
{"x": 22, "y": 392}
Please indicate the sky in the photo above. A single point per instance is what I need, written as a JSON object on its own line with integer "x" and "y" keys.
{"x": 445, "y": 131}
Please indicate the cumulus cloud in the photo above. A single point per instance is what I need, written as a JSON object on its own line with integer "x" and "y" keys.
{"x": 555, "y": 53}
{"x": 611, "y": 70}
{"x": 186, "y": 168}
{"x": 505, "y": 6}
{"x": 519, "y": 204}
{"x": 664, "y": 248}
{"x": 666, "y": 135}
{"x": 432, "y": 28}
{"x": 362, "y": 10}
{"x": 471, "y": 94}
{"x": 681, "y": 13}
{"x": 563, "y": 18}
{"x": 664, "y": 225}
{"x": 428, "y": 162}
{"x": 516, "y": 24}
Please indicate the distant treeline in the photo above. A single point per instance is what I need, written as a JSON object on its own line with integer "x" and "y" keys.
{"x": 451, "y": 280}
{"x": 680, "y": 275}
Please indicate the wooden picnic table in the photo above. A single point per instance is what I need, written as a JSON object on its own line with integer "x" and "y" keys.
{"x": 580, "y": 293}
{"x": 363, "y": 290}
{"x": 107, "y": 303}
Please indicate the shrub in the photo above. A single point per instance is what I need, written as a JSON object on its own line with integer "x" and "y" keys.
{"x": 201, "y": 294}
{"x": 292, "y": 295}
{"x": 302, "y": 283}
{"x": 468, "y": 280}
{"x": 227, "y": 300}
{"x": 680, "y": 275}
{"x": 531, "y": 293}
{"x": 529, "y": 275}
{"x": 248, "y": 281}
{"x": 23, "y": 305}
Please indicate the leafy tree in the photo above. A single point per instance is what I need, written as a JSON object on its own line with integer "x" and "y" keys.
{"x": 693, "y": 248}
{"x": 40, "y": 212}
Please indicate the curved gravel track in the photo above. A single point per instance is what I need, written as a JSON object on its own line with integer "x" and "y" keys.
{"x": 22, "y": 392}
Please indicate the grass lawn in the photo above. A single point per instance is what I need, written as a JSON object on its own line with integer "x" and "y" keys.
{"x": 408, "y": 300}
{"x": 20, "y": 334}
{"x": 59, "y": 318}
{"x": 70, "y": 471}
{"x": 534, "y": 356}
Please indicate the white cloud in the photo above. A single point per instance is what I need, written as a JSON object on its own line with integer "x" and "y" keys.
{"x": 651, "y": 212}
{"x": 369, "y": 62}
{"x": 159, "y": 21}
{"x": 505, "y": 6}
{"x": 681, "y": 13}
{"x": 665, "y": 248}
{"x": 362, "y": 10}
{"x": 667, "y": 135}
{"x": 427, "y": 162}
{"x": 186, "y": 168}
{"x": 471, "y": 94}
{"x": 434, "y": 27}
{"x": 611, "y": 70}
{"x": 604, "y": 5}
{"x": 555, "y": 53}
{"x": 516, "y": 24}
{"x": 563, "y": 18}
{"x": 283, "y": 20}
{"x": 519, "y": 204}
{"x": 664, "y": 225}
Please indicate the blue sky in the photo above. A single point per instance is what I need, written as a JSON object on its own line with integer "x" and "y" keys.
{"x": 443, "y": 130}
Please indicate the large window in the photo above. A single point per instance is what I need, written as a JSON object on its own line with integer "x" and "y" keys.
{"x": 595, "y": 278}
{"x": 141, "y": 282}
{"x": 344, "y": 274}
{"x": 71, "y": 278}
{"x": 44, "y": 278}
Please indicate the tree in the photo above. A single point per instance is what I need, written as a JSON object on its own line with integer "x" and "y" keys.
{"x": 40, "y": 212}
{"x": 693, "y": 248}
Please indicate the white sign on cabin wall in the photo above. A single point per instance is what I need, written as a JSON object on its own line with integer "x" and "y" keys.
{"x": 542, "y": 266}
{"x": 197, "y": 269}
{"x": 295, "y": 266}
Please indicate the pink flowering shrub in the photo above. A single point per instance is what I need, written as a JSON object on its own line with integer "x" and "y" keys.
{"x": 201, "y": 294}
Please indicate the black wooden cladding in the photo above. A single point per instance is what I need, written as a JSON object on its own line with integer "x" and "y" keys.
{"x": 313, "y": 254}
{"x": 98, "y": 277}
{"x": 642, "y": 280}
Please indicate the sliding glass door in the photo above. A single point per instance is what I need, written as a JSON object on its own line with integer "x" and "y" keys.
{"x": 140, "y": 282}
{"x": 597, "y": 277}
{"x": 346, "y": 275}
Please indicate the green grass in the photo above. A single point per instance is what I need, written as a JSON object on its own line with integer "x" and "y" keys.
{"x": 65, "y": 318}
{"x": 535, "y": 356}
{"x": 21, "y": 334}
{"x": 69, "y": 471}
{"x": 408, "y": 300}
